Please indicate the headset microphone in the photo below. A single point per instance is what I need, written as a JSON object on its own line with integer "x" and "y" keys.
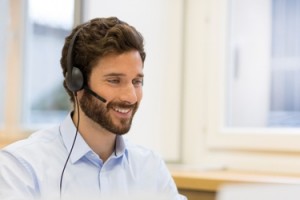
{"x": 91, "y": 92}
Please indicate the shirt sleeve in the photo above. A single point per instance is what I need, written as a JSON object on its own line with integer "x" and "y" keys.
{"x": 16, "y": 178}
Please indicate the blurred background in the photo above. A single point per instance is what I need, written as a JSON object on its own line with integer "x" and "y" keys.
{"x": 222, "y": 77}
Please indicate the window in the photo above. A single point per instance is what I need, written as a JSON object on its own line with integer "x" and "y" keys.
{"x": 285, "y": 64}
{"x": 48, "y": 23}
{"x": 253, "y": 85}
{"x": 211, "y": 139}
{"x": 32, "y": 94}
{"x": 264, "y": 68}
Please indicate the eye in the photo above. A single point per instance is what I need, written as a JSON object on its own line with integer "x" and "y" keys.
{"x": 114, "y": 81}
{"x": 138, "y": 82}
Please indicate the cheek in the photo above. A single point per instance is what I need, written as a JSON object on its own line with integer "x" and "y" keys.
{"x": 107, "y": 93}
{"x": 139, "y": 94}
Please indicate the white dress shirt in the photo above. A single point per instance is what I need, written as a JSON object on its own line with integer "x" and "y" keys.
{"x": 32, "y": 169}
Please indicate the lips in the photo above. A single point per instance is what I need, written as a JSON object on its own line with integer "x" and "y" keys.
{"x": 122, "y": 110}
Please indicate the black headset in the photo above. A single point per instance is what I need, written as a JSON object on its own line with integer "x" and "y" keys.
{"x": 74, "y": 76}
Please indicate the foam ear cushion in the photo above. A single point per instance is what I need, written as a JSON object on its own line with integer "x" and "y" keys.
{"x": 75, "y": 80}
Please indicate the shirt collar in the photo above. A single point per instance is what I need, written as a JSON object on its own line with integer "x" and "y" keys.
{"x": 81, "y": 148}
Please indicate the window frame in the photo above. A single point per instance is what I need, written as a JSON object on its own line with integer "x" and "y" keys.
{"x": 219, "y": 136}
{"x": 13, "y": 90}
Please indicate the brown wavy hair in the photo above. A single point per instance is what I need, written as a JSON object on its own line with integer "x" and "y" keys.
{"x": 96, "y": 39}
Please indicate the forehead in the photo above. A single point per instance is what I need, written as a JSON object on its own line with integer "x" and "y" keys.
{"x": 128, "y": 63}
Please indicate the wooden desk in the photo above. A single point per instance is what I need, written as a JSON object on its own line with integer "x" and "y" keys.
{"x": 204, "y": 184}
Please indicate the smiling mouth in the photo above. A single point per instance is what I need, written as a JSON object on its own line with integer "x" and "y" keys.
{"x": 121, "y": 110}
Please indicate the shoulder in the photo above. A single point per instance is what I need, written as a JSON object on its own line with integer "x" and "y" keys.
{"x": 39, "y": 143}
{"x": 142, "y": 156}
{"x": 137, "y": 150}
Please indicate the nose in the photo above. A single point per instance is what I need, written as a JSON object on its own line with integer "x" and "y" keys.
{"x": 129, "y": 94}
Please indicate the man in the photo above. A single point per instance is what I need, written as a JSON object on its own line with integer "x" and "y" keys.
{"x": 86, "y": 155}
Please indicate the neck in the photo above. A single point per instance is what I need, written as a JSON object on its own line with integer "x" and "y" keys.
{"x": 99, "y": 139}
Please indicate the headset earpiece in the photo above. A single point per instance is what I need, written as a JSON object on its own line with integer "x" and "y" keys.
{"x": 74, "y": 77}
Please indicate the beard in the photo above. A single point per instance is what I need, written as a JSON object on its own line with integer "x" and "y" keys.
{"x": 99, "y": 113}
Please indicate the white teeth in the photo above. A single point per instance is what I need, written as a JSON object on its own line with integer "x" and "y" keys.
{"x": 122, "y": 110}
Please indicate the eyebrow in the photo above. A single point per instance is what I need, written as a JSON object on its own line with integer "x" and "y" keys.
{"x": 121, "y": 74}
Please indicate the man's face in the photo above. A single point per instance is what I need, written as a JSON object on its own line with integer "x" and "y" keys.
{"x": 119, "y": 79}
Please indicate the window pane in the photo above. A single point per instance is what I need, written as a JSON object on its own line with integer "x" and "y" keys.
{"x": 48, "y": 24}
{"x": 285, "y": 65}
{"x": 264, "y": 68}
{"x": 4, "y": 22}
